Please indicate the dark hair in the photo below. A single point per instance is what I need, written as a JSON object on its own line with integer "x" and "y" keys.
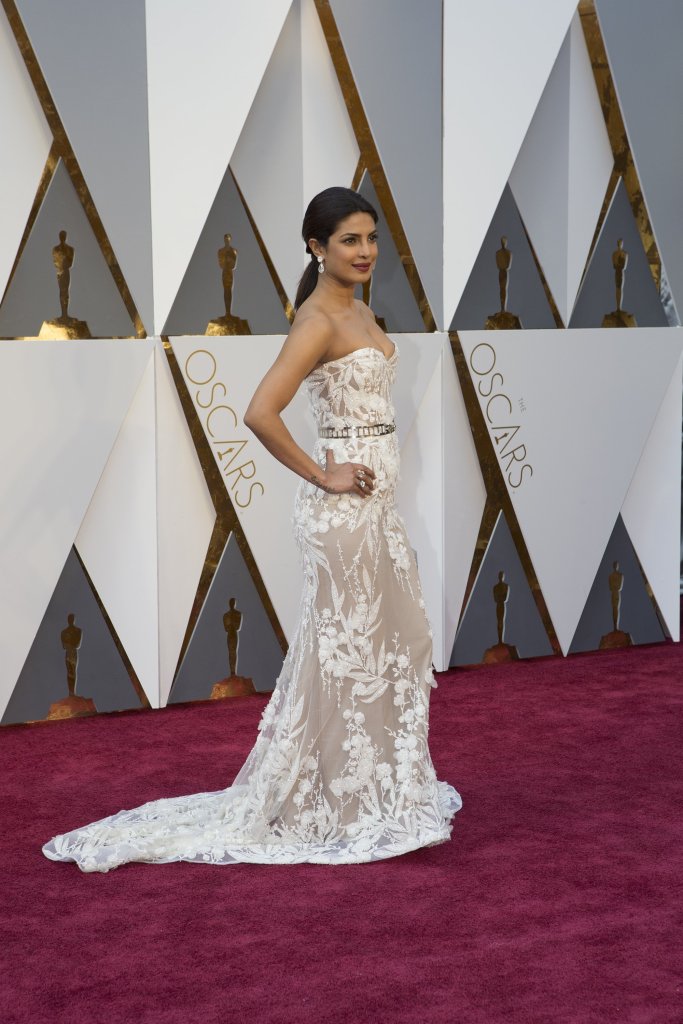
{"x": 323, "y": 215}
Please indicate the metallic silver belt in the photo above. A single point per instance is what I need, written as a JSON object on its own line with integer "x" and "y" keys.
{"x": 362, "y": 430}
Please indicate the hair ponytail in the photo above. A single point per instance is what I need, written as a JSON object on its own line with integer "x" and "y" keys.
{"x": 323, "y": 214}
{"x": 307, "y": 283}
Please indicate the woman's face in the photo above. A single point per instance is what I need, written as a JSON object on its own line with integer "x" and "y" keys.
{"x": 351, "y": 252}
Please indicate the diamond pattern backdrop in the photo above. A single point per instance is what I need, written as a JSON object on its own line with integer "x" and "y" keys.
{"x": 525, "y": 163}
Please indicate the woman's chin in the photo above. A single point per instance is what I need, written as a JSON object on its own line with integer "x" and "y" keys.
{"x": 360, "y": 276}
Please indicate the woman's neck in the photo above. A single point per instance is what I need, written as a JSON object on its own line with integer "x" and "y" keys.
{"x": 337, "y": 296}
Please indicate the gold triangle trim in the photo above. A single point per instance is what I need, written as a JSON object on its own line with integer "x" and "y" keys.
{"x": 43, "y": 185}
{"x": 358, "y": 174}
{"x": 602, "y": 217}
{"x": 227, "y": 521}
{"x": 132, "y": 675}
{"x": 62, "y": 148}
{"x": 487, "y": 525}
{"x": 624, "y": 164}
{"x": 559, "y": 322}
{"x": 497, "y": 496}
{"x": 282, "y": 295}
{"x": 371, "y": 158}
{"x": 648, "y": 587}
{"x": 137, "y": 685}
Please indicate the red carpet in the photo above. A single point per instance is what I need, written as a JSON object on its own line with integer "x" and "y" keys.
{"x": 557, "y": 900}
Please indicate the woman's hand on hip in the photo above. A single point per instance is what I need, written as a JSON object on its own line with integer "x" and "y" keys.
{"x": 347, "y": 477}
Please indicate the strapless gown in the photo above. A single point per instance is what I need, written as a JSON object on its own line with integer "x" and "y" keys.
{"x": 340, "y": 772}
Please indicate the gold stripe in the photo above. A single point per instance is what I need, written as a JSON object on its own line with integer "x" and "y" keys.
{"x": 649, "y": 591}
{"x": 286, "y": 304}
{"x": 227, "y": 521}
{"x": 488, "y": 521}
{"x": 62, "y": 148}
{"x": 43, "y": 185}
{"x": 132, "y": 675}
{"x": 370, "y": 157}
{"x": 218, "y": 542}
{"x": 546, "y": 287}
{"x": 609, "y": 192}
{"x": 225, "y": 514}
{"x": 137, "y": 685}
{"x": 358, "y": 174}
{"x": 497, "y": 495}
{"x": 624, "y": 165}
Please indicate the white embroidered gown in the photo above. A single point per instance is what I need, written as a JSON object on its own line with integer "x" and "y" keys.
{"x": 340, "y": 772}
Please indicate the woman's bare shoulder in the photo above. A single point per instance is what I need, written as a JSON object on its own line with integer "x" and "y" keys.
{"x": 309, "y": 336}
{"x": 311, "y": 319}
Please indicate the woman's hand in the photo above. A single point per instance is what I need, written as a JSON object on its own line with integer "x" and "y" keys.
{"x": 347, "y": 477}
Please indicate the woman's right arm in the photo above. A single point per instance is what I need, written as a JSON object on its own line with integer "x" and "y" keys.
{"x": 303, "y": 349}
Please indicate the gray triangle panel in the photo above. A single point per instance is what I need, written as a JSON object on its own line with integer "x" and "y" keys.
{"x": 597, "y": 295}
{"x": 206, "y": 661}
{"x": 523, "y": 626}
{"x": 254, "y": 296}
{"x": 525, "y": 294}
{"x": 391, "y": 296}
{"x": 394, "y": 48}
{"x": 101, "y": 674}
{"x": 636, "y": 613}
{"x": 643, "y": 43}
{"x": 94, "y": 59}
{"x": 33, "y": 294}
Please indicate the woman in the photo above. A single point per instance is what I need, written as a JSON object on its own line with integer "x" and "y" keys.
{"x": 340, "y": 772}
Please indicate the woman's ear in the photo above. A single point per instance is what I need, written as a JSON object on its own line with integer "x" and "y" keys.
{"x": 316, "y": 249}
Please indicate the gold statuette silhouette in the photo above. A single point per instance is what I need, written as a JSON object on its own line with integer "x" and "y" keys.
{"x": 72, "y": 706}
{"x": 619, "y": 317}
{"x": 500, "y": 651}
{"x": 234, "y": 685}
{"x": 227, "y": 324}
{"x": 64, "y": 327}
{"x": 502, "y": 320}
{"x": 617, "y": 637}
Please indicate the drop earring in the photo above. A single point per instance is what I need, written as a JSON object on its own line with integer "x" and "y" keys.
{"x": 321, "y": 265}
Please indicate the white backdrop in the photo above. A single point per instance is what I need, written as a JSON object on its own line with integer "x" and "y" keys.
{"x": 133, "y": 128}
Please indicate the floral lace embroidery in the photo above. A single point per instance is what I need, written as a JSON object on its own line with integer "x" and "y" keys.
{"x": 340, "y": 771}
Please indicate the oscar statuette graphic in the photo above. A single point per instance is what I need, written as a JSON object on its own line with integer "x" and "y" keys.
{"x": 619, "y": 317}
{"x": 502, "y": 320}
{"x": 617, "y": 637}
{"x": 233, "y": 685}
{"x": 227, "y": 324}
{"x": 72, "y": 706}
{"x": 501, "y": 651}
{"x": 64, "y": 327}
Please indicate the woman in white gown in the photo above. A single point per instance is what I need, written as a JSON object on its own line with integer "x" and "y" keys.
{"x": 340, "y": 772}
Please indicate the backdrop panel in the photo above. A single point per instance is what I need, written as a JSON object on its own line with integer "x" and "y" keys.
{"x": 61, "y": 409}
{"x": 569, "y": 416}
